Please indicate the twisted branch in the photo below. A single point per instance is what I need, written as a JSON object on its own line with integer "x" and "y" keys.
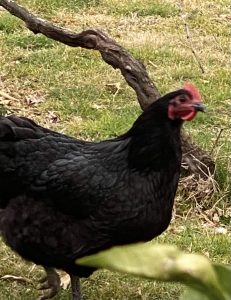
{"x": 132, "y": 70}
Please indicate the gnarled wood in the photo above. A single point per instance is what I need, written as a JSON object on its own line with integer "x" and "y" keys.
{"x": 195, "y": 160}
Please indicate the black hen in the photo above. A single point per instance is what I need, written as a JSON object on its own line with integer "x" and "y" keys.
{"x": 65, "y": 198}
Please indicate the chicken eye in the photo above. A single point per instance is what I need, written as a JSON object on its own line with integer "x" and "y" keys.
{"x": 182, "y": 99}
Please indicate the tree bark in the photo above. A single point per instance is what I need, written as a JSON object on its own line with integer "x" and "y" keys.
{"x": 195, "y": 160}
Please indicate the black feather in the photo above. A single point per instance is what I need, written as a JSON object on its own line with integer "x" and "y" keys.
{"x": 64, "y": 198}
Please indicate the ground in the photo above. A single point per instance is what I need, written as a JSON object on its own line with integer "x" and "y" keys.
{"x": 73, "y": 91}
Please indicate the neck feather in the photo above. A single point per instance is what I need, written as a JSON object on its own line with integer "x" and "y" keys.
{"x": 154, "y": 143}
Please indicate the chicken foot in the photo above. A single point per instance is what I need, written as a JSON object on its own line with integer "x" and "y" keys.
{"x": 49, "y": 284}
{"x": 75, "y": 286}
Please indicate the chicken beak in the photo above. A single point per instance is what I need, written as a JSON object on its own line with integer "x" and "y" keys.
{"x": 199, "y": 106}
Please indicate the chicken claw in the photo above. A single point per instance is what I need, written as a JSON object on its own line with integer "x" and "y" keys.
{"x": 49, "y": 284}
{"x": 75, "y": 286}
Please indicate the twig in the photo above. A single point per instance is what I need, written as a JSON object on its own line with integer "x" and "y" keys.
{"x": 188, "y": 36}
{"x": 16, "y": 278}
{"x": 217, "y": 139}
{"x": 218, "y": 44}
{"x": 7, "y": 96}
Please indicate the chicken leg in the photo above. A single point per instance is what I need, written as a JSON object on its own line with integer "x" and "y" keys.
{"x": 49, "y": 284}
{"x": 75, "y": 286}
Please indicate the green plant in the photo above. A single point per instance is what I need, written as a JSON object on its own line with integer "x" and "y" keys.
{"x": 205, "y": 280}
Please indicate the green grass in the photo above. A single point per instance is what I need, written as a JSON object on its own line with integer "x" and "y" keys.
{"x": 140, "y": 8}
{"x": 92, "y": 101}
{"x": 29, "y": 42}
{"x": 9, "y": 24}
{"x": 50, "y": 7}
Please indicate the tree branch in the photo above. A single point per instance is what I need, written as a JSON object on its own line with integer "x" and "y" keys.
{"x": 113, "y": 54}
{"x": 132, "y": 70}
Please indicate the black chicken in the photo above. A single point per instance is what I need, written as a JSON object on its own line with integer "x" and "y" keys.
{"x": 65, "y": 198}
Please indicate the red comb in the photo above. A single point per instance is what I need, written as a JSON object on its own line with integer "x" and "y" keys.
{"x": 192, "y": 90}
